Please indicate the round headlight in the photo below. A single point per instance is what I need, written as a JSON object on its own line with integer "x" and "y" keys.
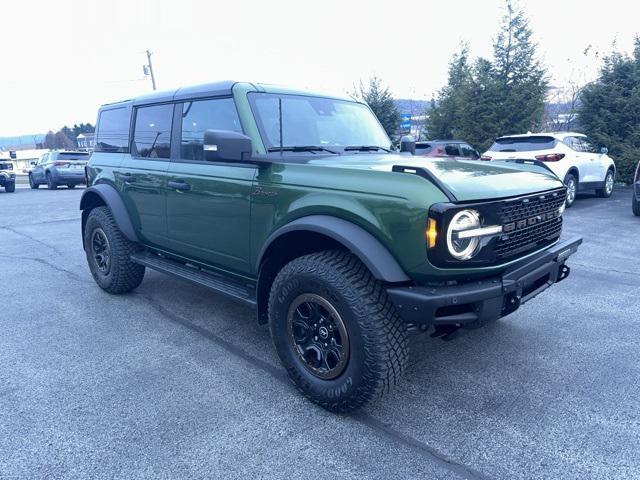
{"x": 463, "y": 248}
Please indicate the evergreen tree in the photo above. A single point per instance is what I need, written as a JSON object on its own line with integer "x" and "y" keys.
{"x": 493, "y": 98}
{"x": 609, "y": 110}
{"x": 380, "y": 100}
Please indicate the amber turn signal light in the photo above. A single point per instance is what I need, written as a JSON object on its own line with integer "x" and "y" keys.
{"x": 432, "y": 233}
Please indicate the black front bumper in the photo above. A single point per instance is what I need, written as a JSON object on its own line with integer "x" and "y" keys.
{"x": 478, "y": 302}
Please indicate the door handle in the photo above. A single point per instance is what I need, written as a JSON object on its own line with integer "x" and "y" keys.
{"x": 128, "y": 178}
{"x": 179, "y": 185}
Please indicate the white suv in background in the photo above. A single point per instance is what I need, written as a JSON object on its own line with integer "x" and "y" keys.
{"x": 571, "y": 156}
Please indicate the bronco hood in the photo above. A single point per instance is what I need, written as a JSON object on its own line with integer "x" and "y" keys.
{"x": 466, "y": 180}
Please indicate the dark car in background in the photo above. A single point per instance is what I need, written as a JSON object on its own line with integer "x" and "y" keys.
{"x": 635, "y": 196}
{"x": 453, "y": 149}
{"x": 59, "y": 168}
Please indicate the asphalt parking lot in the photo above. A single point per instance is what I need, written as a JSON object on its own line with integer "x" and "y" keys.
{"x": 175, "y": 381}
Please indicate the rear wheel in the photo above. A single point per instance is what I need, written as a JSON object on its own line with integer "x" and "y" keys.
{"x": 51, "y": 185}
{"x": 33, "y": 184}
{"x": 571, "y": 183}
{"x": 10, "y": 187}
{"x": 108, "y": 253}
{"x": 635, "y": 205}
{"x": 335, "y": 331}
{"x": 607, "y": 189}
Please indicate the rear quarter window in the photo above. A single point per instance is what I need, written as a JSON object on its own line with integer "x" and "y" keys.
{"x": 523, "y": 144}
{"x": 112, "y": 131}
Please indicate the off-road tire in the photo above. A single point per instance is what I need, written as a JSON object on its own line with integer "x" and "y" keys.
{"x": 51, "y": 185}
{"x": 570, "y": 177}
{"x": 378, "y": 338}
{"x": 123, "y": 275}
{"x": 33, "y": 185}
{"x": 635, "y": 205}
{"x": 602, "y": 192}
{"x": 10, "y": 187}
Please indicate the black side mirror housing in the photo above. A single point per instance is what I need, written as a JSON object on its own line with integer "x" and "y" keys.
{"x": 226, "y": 146}
{"x": 408, "y": 144}
{"x": 604, "y": 150}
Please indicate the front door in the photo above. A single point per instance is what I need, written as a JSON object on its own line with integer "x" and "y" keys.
{"x": 142, "y": 176}
{"x": 209, "y": 204}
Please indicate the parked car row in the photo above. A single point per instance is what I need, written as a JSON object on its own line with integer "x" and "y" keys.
{"x": 571, "y": 156}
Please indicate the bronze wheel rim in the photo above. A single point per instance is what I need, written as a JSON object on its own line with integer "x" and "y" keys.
{"x": 318, "y": 336}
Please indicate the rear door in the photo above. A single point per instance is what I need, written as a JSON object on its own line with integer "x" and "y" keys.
{"x": 586, "y": 160}
{"x": 598, "y": 162}
{"x": 142, "y": 176}
{"x": 208, "y": 204}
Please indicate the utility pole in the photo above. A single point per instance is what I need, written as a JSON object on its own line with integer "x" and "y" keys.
{"x": 153, "y": 79}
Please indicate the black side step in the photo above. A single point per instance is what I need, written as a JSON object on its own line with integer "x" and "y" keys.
{"x": 235, "y": 290}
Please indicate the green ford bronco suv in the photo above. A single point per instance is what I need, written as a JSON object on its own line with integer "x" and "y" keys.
{"x": 295, "y": 204}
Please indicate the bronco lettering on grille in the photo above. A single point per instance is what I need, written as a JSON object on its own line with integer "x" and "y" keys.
{"x": 528, "y": 222}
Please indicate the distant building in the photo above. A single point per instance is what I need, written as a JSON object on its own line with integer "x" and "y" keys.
{"x": 85, "y": 141}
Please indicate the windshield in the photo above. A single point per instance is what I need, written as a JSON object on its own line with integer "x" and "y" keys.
{"x": 316, "y": 121}
{"x": 6, "y": 166}
{"x": 523, "y": 144}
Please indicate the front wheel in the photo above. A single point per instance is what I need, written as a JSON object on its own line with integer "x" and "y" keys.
{"x": 108, "y": 253}
{"x": 635, "y": 205}
{"x": 33, "y": 185}
{"x": 607, "y": 189}
{"x": 335, "y": 331}
{"x": 571, "y": 183}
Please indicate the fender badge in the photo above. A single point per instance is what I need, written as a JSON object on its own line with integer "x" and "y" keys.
{"x": 259, "y": 192}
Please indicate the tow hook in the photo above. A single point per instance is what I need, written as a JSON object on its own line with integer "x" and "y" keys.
{"x": 563, "y": 273}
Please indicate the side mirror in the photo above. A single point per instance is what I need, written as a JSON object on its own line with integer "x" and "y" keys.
{"x": 408, "y": 144}
{"x": 604, "y": 150}
{"x": 226, "y": 146}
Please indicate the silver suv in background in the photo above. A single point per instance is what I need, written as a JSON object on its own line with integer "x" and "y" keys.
{"x": 59, "y": 168}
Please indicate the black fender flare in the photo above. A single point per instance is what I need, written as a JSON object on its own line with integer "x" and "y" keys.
{"x": 112, "y": 199}
{"x": 365, "y": 246}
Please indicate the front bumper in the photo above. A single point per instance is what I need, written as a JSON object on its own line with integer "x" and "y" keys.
{"x": 479, "y": 302}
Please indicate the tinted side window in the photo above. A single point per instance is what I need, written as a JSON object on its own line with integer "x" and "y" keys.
{"x": 152, "y": 132}
{"x": 588, "y": 146}
{"x": 452, "y": 150}
{"x": 468, "y": 152}
{"x": 201, "y": 115}
{"x": 113, "y": 131}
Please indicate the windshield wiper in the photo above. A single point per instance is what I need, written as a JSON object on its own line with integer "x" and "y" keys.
{"x": 365, "y": 148}
{"x": 302, "y": 148}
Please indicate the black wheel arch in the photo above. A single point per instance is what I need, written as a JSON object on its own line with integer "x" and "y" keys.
{"x": 316, "y": 233}
{"x": 105, "y": 194}
{"x": 574, "y": 171}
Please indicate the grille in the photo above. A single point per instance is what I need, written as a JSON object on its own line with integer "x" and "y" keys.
{"x": 531, "y": 237}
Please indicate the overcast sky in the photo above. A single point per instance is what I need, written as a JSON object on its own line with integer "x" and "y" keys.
{"x": 59, "y": 60}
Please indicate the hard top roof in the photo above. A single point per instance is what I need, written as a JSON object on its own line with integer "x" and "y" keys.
{"x": 213, "y": 90}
